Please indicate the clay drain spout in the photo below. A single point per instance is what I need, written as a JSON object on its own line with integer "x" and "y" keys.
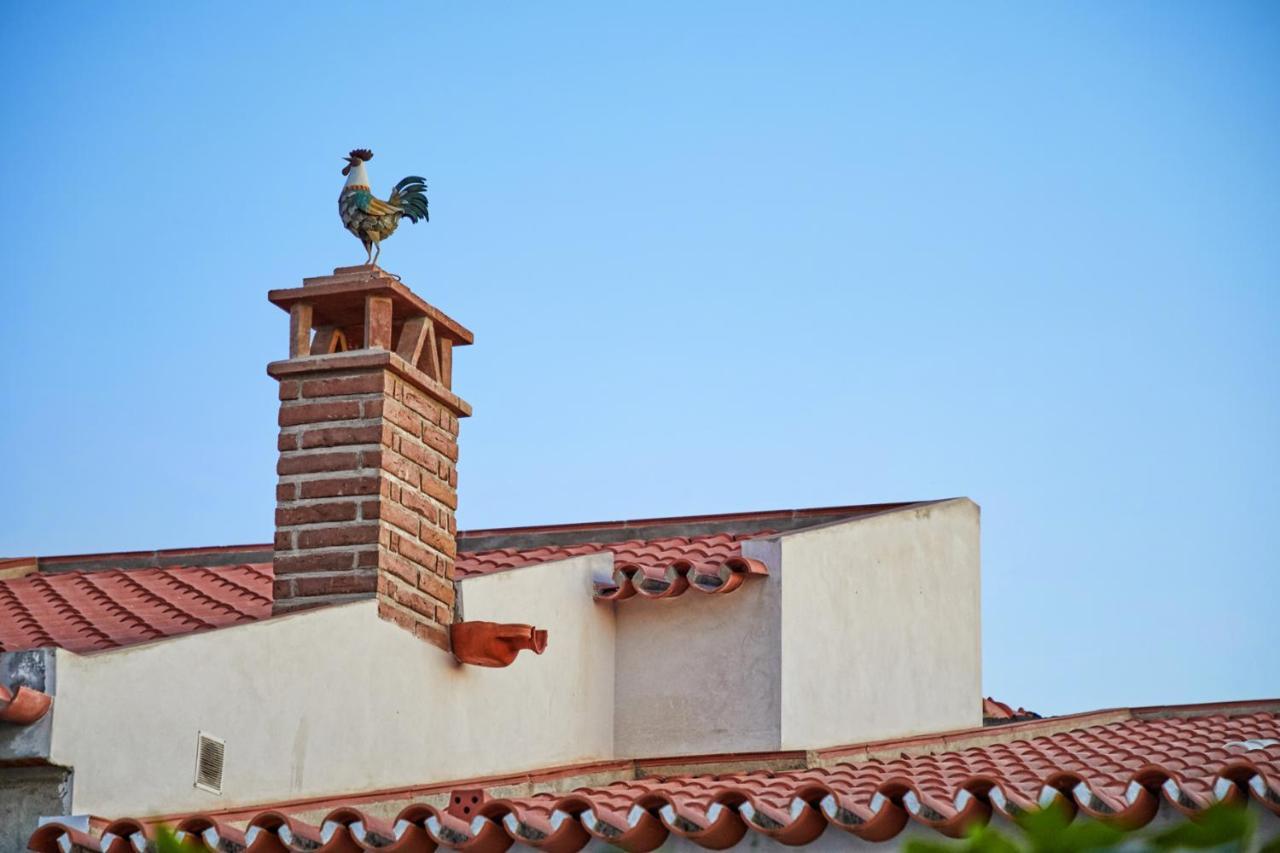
{"x": 492, "y": 644}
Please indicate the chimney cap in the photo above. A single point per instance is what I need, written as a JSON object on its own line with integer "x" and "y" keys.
{"x": 338, "y": 300}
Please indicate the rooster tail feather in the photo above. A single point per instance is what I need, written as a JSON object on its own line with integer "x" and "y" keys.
{"x": 410, "y": 195}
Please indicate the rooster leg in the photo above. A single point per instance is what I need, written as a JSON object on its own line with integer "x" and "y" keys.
{"x": 368, "y": 252}
{"x": 377, "y": 250}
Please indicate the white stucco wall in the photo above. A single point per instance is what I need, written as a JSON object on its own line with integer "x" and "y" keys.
{"x": 700, "y": 673}
{"x": 337, "y": 700}
{"x": 863, "y": 629}
{"x": 881, "y": 632}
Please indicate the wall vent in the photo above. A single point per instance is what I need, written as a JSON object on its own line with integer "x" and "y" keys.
{"x": 210, "y": 752}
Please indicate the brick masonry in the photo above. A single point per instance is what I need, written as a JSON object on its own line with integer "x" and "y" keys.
{"x": 367, "y": 474}
{"x": 366, "y": 498}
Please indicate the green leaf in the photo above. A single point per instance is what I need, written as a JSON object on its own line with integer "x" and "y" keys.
{"x": 167, "y": 842}
{"x": 918, "y": 845}
{"x": 985, "y": 839}
{"x": 1218, "y": 825}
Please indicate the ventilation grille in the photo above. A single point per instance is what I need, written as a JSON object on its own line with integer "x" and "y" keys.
{"x": 210, "y": 752}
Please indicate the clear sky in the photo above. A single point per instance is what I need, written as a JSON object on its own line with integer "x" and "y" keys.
{"x": 717, "y": 257}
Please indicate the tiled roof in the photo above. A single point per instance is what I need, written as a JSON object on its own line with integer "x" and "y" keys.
{"x": 85, "y": 611}
{"x": 101, "y": 608}
{"x": 650, "y": 568}
{"x": 701, "y": 551}
{"x": 1121, "y": 771}
{"x": 995, "y": 712}
{"x": 102, "y": 601}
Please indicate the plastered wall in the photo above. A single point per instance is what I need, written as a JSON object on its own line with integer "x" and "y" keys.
{"x": 337, "y": 700}
{"x": 699, "y": 673}
{"x": 881, "y": 633}
{"x": 862, "y": 630}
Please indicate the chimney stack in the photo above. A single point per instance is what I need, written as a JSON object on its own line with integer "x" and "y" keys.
{"x": 368, "y": 450}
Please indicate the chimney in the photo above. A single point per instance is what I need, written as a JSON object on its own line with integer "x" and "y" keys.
{"x": 368, "y": 450}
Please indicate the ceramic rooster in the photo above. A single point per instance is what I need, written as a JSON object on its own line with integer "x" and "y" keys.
{"x": 372, "y": 219}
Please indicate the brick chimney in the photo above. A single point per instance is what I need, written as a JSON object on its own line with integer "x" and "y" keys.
{"x": 368, "y": 450}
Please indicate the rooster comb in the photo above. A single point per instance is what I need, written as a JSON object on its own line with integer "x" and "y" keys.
{"x": 361, "y": 154}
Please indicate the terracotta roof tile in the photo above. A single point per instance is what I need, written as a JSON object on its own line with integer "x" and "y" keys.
{"x": 1121, "y": 772}
{"x": 102, "y": 601}
{"x": 104, "y": 608}
{"x": 649, "y": 568}
{"x": 95, "y": 610}
{"x": 994, "y": 712}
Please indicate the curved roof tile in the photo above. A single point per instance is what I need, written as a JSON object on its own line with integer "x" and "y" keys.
{"x": 648, "y": 568}
{"x": 1122, "y": 773}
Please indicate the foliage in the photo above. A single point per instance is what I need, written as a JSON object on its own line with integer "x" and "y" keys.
{"x": 167, "y": 842}
{"x": 1221, "y": 827}
{"x": 1051, "y": 830}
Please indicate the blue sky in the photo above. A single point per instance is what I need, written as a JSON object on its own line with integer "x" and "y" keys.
{"x": 717, "y": 257}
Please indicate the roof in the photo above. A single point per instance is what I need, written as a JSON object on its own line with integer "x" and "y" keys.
{"x": 1121, "y": 766}
{"x": 650, "y": 568}
{"x": 85, "y": 611}
{"x": 995, "y": 712}
{"x": 103, "y": 601}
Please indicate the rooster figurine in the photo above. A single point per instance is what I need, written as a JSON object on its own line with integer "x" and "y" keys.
{"x": 372, "y": 219}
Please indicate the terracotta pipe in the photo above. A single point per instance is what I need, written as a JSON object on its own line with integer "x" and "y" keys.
{"x": 24, "y": 707}
{"x": 491, "y": 644}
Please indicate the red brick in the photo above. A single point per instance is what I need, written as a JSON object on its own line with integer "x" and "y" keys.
{"x": 397, "y": 565}
{"x": 415, "y": 502}
{"x": 287, "y": 441}
{"x": 311, "y": 413}
{"x": 288, "y": 564}
{"x": 366, "y": 383}
{"x": 440, "y": 443}
{"x": 346, "y": 583}
{"x": 422, "y": 404}
{"x": 440, "y": 590}
{"x": 313, "y": 463}
{"x": 315, "y": 513}
{"x": 332, "y": 537}
{"x": 405, "y": 519}
{"x": 433, "y": 634}
{"x": 415, "y": 552}
{"x": 284, "y": 540}
{"x": 377, "y": 322}
{"x": 402, "y": 417}
{"x": 338, "y": 436}
{"x": 420, "y": 453}
{"x": 341, "y": 487}
{"x": 367, "y": 559}
{"x": 407, "y": 596}
{"x": 281, "y": 588}
{"x": 398, "y": 617}
{"x": 286, "y": 492}
{"x": 444, "y": 568}
{"x": 439, "y": 540}
{"x": 395, "y": 464}
{"x": 288, "y": 389}
{"x": 440, "y": 491}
